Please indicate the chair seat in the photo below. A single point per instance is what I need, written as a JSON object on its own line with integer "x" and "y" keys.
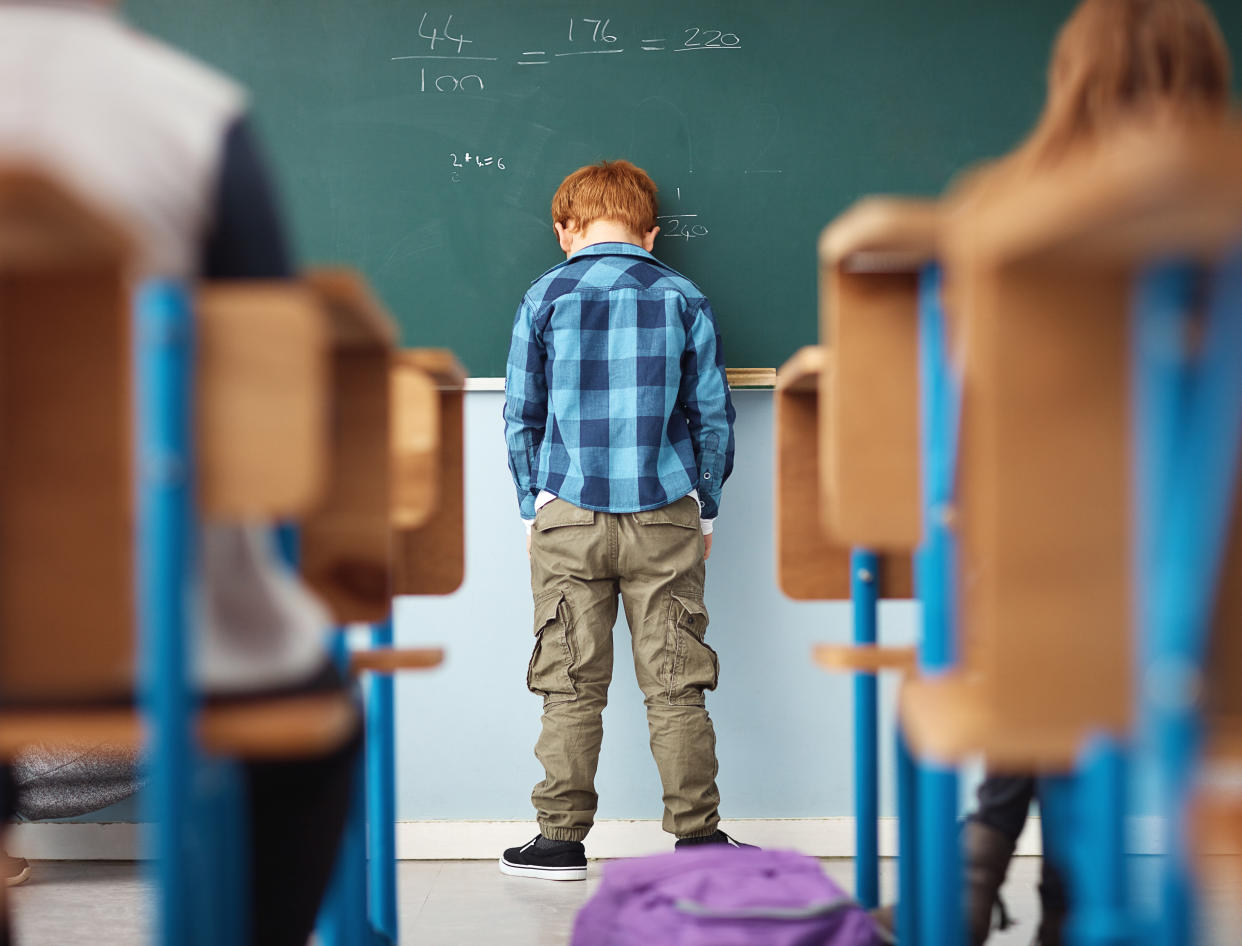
{"x": 949, "y": 719}
{"x": 865, "y": 658}
{"x": 269, "y": 728}
{"x": 394, "y": 659}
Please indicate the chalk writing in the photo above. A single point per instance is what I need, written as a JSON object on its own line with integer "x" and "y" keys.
{"x": 460, "y": 161}
{"x": 450, "y": 83}
{"x": 447, "y": 35}
{"x": 599, "y": 30}
{"x": 708, "y": 39}
{"x": 587, "y": 36}
{"x": 682, "y": 226}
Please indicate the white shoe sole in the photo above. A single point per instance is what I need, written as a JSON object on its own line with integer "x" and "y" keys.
{"x": 18, "y": 879}
{"x": 542, "y": 873}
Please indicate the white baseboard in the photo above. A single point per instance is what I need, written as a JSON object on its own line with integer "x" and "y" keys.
{"x": 55, "y": 841}
{"x": 484, "y": 840}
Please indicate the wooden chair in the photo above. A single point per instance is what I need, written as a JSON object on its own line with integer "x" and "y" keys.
{"x": 870, "y": 260}
{"x": 72, "y": 563}
{"x": 815, "y": 559}
{"x": 811, "y": 564}
{"x": 430, "y": 554}
{"x": 1045, "y": 276}
{"x": 854, "y": 403}
{"x": 392, "y": 519}
{"x": 1065, "y": 308}
{"x": 392, "y": 523}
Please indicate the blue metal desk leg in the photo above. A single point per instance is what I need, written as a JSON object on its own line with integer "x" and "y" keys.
{"x": 1189, "y": 427}
{"x": 941, "y": 921}
{"x": 940, "y": 873}
{"x": 381, "y": 794}
{"x": 1100, "y": 917}
{"x": 1084, "y": 838}
{"x": 907, "y": 843}
{"x": 864, "y": 582}
{"x": 167, "y": 529}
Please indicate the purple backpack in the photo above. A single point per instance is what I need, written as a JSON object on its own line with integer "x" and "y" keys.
{"x": 721, "y": 896}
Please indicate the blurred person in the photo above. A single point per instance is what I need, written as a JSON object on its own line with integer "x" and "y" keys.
{"x": 1115, "y": 64}
{"x": 163, "y": 144}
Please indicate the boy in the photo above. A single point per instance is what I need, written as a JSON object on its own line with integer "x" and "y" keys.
{"x": 620, "y": 433}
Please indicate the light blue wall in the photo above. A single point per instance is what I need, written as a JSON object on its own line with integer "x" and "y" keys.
{"x": 466, "y": 732}
{"x": 783, "y": 727}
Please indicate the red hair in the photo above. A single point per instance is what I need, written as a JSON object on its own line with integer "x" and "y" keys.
{"x": 610, "y": 190}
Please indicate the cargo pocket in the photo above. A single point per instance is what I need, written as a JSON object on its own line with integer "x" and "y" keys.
{"x": 690, "y": 666}
{"x": 683, "y": 513}
{"x": 559, "y": 513}
{"x": 554, "y": 659}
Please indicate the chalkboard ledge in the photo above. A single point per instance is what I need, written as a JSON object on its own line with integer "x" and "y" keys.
{"x": 740, "y": 379}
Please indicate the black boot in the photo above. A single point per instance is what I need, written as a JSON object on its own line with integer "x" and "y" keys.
{"x": 1053, "y": 907}
{"x": 986, "y": 853}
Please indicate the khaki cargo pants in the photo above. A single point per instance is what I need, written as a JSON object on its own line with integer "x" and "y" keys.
{"x": 580, "y": 560}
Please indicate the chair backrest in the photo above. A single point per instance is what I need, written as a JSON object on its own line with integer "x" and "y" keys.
{"x": 66, "y": 470}
{"x": 870, "y": 259}
{"x": 1044, "y": 277}
{"x": 346, "y": 541}
{"x": 811, "y": 565}
{"x": 263, "y": 387}
{"x": 429, "y": 541}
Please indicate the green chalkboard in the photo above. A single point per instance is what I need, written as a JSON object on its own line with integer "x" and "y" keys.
{"x": 759, "y": 121}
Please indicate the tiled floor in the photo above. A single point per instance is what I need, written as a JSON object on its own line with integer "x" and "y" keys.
{"x": 443, "y": 903}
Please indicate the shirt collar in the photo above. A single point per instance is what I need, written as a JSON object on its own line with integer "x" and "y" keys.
{"x": 612, "y": 249}
{"x": 603, "y": 249}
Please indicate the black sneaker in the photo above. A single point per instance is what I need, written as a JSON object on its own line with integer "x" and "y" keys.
{"x": 719, "y": 837}
{"x": 546, "y": 860}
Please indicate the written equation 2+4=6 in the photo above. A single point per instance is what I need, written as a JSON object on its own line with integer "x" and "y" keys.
{"x": 464, "y": 162}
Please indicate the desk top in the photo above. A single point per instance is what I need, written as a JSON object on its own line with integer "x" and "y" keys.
{"x": 882, "y": 235}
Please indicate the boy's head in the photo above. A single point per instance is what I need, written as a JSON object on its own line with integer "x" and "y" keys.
{"x": 612, "y": 200}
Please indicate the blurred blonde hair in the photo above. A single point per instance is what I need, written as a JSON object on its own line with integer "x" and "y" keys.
{"x": 1119, "y": 63}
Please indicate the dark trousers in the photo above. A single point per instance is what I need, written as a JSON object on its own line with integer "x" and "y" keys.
{"x": 296, "y": 812}
{"x": 1004, "y": 803}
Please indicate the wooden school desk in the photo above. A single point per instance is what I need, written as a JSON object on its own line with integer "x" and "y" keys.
{"x": 847, "y": 460}
{"x": 1100, "y": 436}
{"x": 97, "y": 613}
{"x": 391, "y": 524}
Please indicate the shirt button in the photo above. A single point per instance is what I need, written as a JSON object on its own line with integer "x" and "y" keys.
{"x": 707, "y": 476}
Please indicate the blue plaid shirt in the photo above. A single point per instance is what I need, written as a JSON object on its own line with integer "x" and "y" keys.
{"x": 615, "y": 390}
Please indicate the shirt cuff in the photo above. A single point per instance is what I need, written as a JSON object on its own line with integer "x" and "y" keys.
{"x": 707, "y": 525}
{"x": 528, "y": 523}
